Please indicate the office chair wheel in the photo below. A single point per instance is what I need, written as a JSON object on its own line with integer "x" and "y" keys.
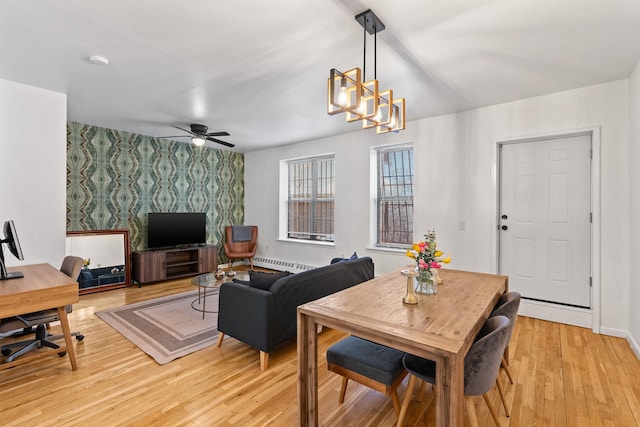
{"x": 6, "y": 351}
{"x": 62, "y": 354}
{"x": 79, "y": 337}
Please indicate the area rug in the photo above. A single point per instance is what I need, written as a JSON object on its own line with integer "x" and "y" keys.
{"x": 166, "y": 328}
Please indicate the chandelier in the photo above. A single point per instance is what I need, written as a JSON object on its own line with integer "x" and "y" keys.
{"x": 362, "y": 100}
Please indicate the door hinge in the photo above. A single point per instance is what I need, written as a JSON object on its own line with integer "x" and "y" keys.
{"x": 591, "y": 282}
{"x": 590, "y": 216}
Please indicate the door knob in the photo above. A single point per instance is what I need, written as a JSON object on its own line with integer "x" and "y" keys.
{"x": 504, "y": 227}
{"x": 503, "y": 217}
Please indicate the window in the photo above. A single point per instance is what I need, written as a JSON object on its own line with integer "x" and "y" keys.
{"x": 311, "y": 198}
{"x": 395, "y": 196}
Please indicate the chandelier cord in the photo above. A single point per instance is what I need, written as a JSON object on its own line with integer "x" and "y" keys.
{"x": 375, "y": 53}
{"x": 364, "y": 55}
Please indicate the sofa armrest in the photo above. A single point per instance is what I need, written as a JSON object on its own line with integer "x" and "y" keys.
{"x": 245, "y": 313}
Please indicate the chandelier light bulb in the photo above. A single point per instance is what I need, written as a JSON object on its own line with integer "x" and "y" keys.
{"x": 342, "y": 95}
{"x": 378, "y": 116}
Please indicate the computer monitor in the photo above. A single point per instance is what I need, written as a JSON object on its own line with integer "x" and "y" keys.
{"x": 11, "y": 239}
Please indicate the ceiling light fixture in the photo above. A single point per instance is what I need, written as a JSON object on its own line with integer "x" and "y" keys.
{"x": 97, "y": 60}
{"x": 198, "y": 140}
{"x": 347, "y": 93}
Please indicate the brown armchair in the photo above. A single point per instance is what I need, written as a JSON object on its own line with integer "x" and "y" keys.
{"x": 241, "y": 242}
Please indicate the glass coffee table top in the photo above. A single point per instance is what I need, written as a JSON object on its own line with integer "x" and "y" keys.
{"x": 208, "y": 285}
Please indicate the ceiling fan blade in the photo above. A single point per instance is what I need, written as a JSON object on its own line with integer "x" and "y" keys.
{"x": 184, "y": 130}
{"x": 227, "y": 144}
{"x": 174, "y": 136}
{"x": 217, "y": 134}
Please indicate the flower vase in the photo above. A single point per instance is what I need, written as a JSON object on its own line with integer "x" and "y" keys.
{"x": 426, "y": 283}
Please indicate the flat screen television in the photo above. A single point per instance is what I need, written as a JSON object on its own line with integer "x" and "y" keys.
{"x": 166, "y": 230}
{"x": 11, "y": 240}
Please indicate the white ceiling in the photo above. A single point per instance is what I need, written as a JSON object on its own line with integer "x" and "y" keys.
{"x": 258, "y": 68}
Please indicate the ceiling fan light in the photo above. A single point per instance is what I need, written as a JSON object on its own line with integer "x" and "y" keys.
{"x": 198, "y": 140}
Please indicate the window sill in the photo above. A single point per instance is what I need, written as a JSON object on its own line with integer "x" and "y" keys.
{"x": 400, "y": 251}
{"x": 308, "y": 242}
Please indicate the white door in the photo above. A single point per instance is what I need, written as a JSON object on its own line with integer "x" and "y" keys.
{"x": 545, "y": 219}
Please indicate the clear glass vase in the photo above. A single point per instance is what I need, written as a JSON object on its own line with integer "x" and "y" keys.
{"x": 425, "y": 283}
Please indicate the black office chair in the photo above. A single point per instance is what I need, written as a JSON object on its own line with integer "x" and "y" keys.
{"x": 71, "y": 266}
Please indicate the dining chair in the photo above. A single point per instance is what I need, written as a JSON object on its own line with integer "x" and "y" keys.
{"x": 481, "y": 365}
{"x": 507, "y": 306}
{"x": 71, "y": 266}
{"x": 370, "y": 364}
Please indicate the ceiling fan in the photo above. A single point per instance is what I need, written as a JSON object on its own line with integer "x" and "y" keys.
{"x": 199, "y": 134}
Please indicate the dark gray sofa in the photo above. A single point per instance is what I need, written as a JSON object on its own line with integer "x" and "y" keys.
{"x": 266, "y": 319}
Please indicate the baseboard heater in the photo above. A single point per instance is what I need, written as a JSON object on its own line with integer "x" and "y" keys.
{"x": 280, "y": 265}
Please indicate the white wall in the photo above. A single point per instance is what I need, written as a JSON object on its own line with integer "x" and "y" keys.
{"x": 33, "y": 163}
{"x": 455, "y": 159}
{"x": 634, "y": 199}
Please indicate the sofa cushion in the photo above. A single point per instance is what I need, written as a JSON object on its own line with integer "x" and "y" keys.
{"x": 351, "y": 258}
{"x": 263, "y": 280}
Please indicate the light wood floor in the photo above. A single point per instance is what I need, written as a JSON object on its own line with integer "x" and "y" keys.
{"x": 564, "y": 376}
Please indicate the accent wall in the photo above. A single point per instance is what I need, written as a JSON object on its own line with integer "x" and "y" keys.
{"x": 115, "y": 178}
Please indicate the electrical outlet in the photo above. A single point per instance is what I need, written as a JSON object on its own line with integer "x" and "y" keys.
{"x": 461, "y": 225}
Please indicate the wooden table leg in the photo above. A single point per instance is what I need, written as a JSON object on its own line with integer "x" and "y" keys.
{"x": 66, "y": 330}
{"x": 307, "y": 371}
{"x": 450, "y": 391}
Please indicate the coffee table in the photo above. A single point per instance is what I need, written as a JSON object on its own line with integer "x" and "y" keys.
{"x": 205, "y": 282}
{"x": 209, "y": 282}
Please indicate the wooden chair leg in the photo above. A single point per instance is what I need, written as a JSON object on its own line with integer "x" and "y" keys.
{"x": 396, "y": 402}
{"x": 407, "y": 399}
{"x": 343, "y": 389}
{"x": 505, "y": 366}
{"x": 471, "y": 411}
{"x": 251, "y": 263}
{"x": 264, "y": 360}
{"x": 421, "y": 393}
{"x": 220, "y": 338}
{"x": 493, "y": 411}
{"x": 502, "y": 396}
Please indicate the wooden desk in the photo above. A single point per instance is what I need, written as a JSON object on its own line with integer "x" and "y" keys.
{"x": 440, "y": 327}
{"x": 42, "y": 287}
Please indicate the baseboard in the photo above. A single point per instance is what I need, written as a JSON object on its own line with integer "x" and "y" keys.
{"x": 634, "y": 345}
{"x": 619, "y": 333}
{"x": 556, "y": 313}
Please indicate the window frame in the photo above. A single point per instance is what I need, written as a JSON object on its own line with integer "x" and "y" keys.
{"x": 314, "y": 234}
{"x": 377, "y": 197}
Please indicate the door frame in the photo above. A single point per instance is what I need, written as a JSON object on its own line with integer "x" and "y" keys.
{"x": 589, "y": 318}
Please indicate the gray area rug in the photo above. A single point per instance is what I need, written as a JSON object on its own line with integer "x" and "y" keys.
{"x": 166, "y": 328}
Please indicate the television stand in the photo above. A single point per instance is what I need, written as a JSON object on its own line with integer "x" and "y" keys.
{"x": 166, "y": 264}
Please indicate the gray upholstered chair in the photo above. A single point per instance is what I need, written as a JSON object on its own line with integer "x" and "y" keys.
{"x": 481, "y": 365}
{"x": 507, "y": 306}
{"x": 71, "y": 266}
{"x": 373, "y": 365}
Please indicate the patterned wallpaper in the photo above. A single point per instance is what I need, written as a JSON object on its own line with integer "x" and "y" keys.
{"x": 115, "y": 178}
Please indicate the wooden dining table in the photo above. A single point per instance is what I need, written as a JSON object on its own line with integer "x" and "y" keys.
{"x": 439, "y": 327}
